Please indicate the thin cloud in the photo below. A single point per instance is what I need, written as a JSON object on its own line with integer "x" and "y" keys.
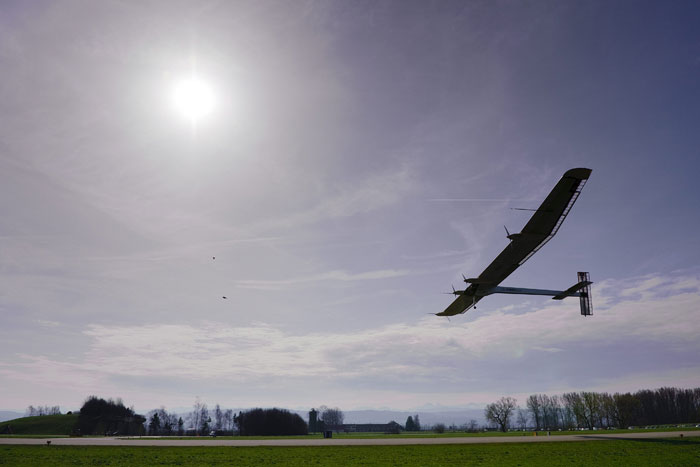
{"x": 439, "y": 255}
{"x": 373, "y": 193}
{"x": 470, "y": 199}
{"x": 336, "y": 275}
{"x": 430, "y": 351}
{"x": 47, "y": 323}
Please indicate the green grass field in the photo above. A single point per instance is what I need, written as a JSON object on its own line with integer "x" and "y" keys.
{"x": 423, "y": 434}
{"x": 447, "y": 434}
{"x": 62, "y": 425}
{"x": 617, "y": 452}
{"x": 44, "y": 425}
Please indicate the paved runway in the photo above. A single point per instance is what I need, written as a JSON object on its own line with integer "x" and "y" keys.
{"x": 145, "y": 441}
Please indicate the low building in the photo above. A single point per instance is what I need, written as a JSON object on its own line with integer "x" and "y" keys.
{"x": 391, "y": 427}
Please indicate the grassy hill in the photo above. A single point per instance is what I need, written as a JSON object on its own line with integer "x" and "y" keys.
{"x": 43, "y": 425}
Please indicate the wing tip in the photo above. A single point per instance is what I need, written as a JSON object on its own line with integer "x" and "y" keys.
{"x": 580, "y": 173}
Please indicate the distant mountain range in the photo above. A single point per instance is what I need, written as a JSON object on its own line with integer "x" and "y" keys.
{"x": 9, "y": 415}
{"x": 457, "y": 417}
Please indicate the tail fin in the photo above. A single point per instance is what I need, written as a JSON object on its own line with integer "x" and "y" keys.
{"x": 585, "y": 297}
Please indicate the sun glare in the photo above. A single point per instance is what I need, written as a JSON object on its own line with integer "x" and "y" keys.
{"x": 193, "y": 99}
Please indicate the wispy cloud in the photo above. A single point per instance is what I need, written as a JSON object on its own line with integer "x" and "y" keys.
{"x": 429, "y": 352}
{"x": 348, "y": 199}
{"x": 470, "y": 199}
{"x": 437, "y": 255}
{"x": 47, "y": 323}
{"x": 336, "y": 275}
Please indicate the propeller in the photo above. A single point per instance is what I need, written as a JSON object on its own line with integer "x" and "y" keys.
{"x": 510, "y": 236}
{"x": 454, "y": 292}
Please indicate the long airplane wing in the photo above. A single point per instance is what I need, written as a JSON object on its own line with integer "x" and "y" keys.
{"x": 541, "y": 227}
{"x": 461, "y": 304}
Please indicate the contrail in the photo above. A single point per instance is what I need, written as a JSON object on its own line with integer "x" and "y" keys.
{"x": 469, "y": 199}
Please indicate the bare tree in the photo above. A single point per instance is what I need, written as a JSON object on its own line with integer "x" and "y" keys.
{"x": 199, "y": 415}
{"x": 522, "y": 419}
{"x": 228, "y": 420}
{"x": 332, "y": 417}
{"x": 557, "y": 412}
{"x": 500, "y": 411}
{"x": 568, "y": 419}
{"x": 551, "y": 409}
{"x": 533, "y": 405}
{"x": 168, "y": 421}
{"x": 574, "y": 402}
{"x": 218, "y": 418}
{"x": 592, "y": 406}
{"x": 41, "y": 410}
{"x": 626, "y": 406}
{"x": 608, "y": 409}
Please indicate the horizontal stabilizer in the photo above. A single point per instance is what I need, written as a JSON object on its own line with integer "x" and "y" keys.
{"x": 571, "y": 290}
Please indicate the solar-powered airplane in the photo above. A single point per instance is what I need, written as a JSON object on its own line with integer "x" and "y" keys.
{"x": 541, "y": 227}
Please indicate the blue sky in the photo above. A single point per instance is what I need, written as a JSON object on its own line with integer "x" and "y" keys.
{"x": 359, "y": 158}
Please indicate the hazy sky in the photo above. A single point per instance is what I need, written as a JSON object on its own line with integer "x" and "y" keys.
{"x": 360, "y": 156}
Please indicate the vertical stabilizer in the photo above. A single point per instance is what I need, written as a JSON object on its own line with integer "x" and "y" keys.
{"x": 585, "y": 297}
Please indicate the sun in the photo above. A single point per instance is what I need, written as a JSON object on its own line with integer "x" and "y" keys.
{"x": 193, "y": 98}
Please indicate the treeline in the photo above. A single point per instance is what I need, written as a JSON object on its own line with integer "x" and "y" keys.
{"x": 162, "y": 423}
{"x": 199, "y": 421}
{"x": 202, "y": 421}
{"x": 41, "y": 410}
{"x": 663, "y": 406}
{"x": 99, "y": 416}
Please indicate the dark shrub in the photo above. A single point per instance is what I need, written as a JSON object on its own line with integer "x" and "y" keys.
{"x": 99, "y": 417}
{"x": 270, "y": 422}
